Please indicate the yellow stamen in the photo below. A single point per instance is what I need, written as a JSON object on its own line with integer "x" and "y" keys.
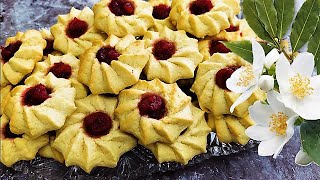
{"x": 246, "y": 76}
{"x": 300, "y": 86}
{"x": 279, "y": 123}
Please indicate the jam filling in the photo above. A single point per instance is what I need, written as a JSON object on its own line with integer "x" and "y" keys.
{"x": 223, "y": 75}
{"x": 7, "y": 134}
{"x": 122, "y": 7}
{"x": 163, "y": 49}
{"x": 107, "y": 54}
{"x": 152, "y": 106}
{"x": 61, "y": 70}
{"x": 49, "y": 48}
{"x": 76, "y": 28}
{"x": 36, "y": 95}
{"x": 218, "y": 47}
{"x": 161, "y": 11}
{"x": 199, "y": 7}
{"x": 233, "y": 29}
{"x": 97, "y": 124}
{"x": 8, "y": 52}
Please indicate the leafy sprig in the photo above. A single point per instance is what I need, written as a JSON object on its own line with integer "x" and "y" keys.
{"x": 271, "y": 20}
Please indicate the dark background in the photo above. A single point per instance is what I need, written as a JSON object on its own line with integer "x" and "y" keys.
{"x": 20, "y": 15}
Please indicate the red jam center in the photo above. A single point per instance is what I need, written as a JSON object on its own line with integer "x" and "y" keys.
{"x": 122, "y": 7}
{"x": 233, "y": 29}
{"x": 97, "y": 124}
{"x": 8, "y": 52}
{"x": 61, "y": 70}
{"x": 8, "y": 134}
{"x": 49, "y": 48}
{"x": 107, "y": 54}
{"x": 163, "y": 49}
{"x": 152, "y": 106}
{"x": 36, "y": 95}
{"x": 76, "y": 28}
{"x": 200, "y": 6}
{"x": 161, "y": 11}
{"x": 218, "y": 47}
{"x": 223, "y": 75}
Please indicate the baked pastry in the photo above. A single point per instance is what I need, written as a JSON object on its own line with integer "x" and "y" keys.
{"x": 230, "y": 128}
{"x": 210, "y": 85}
{"x": 191, "y": 142}
{"x": 239, "y": 30}
{"x": 20, "y": 55}
{"x": 75, "y": 32}
{"x": 46, "y": 35}
{"x": 15, "y": 147}
{"x": 160, "y": 13}
{"x": 66, "y": 66}
{"x": 110, "y": 66}
{"x": 5, "y": 94}
{"x": 40, "y": 106}
{"x": 203, "y": 17}
{"x": 154, "y": 111}
{"x": 91, "y": 135}
{"x": 172, "y": 55}
{"x": 122, "y": 17}
{"x": 50, "y": 152}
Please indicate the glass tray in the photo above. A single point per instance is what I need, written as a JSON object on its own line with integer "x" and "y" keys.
{"x": 136, "y": 163}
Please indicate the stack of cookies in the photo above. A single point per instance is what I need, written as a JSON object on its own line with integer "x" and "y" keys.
{"x": 128, "y": 72}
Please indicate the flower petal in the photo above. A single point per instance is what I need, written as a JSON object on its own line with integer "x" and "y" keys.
{"x": 260, "y": 133}
{"x": 278, "y": 106}
{"x": 258, "y": 57}
{"x": 261, "y": 113}
{"x": 269, "y": 147}
{"x": 289, "y": 100}
{"x": 315, "y": 83}
{"x": 271, "y": 58}
{"x": 234, "y": 80}
{"x": 288, "y": 136}
{"x": 244, "y": 96}
{"x": 266, "y": 83}
{"x": 303, "y": 64}
{"x": 303, "y": 159}
{"x": 282, "y": 73}
{"x": 308, "y": 107}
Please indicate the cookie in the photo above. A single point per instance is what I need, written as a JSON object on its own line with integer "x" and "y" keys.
{"x": 154, "y": 111}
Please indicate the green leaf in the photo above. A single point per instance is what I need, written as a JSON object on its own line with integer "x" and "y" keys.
{"x": 251, "y": 15}
{"x": 310, "y": 138}
{"x": 268, "y": 16}
{"x": 305, "y": 24}
{"x": 241, "y": 48}
{"x": 314, "y": 46}
{"x": 244, "y": 49}
{"x": 285, "y": 14}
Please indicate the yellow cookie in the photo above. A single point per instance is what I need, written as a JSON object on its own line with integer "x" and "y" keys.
{"x": 154, "y": 111}
{"x": 91, "y": 135}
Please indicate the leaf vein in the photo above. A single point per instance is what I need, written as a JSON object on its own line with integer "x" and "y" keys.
{"x": 304, "y": 25}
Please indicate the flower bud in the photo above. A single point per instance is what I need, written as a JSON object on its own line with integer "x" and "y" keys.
{"x": 266, "y": 83}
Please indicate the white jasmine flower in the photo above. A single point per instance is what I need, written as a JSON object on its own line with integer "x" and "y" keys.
{"x": 266, "y": 83}
{"x": 245, "y": 80}
{"x": 303, "y": 159}
{"x": 299, "y": 90}
{"x": 271, "y": 58}
{"x": 275, "y": 125}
